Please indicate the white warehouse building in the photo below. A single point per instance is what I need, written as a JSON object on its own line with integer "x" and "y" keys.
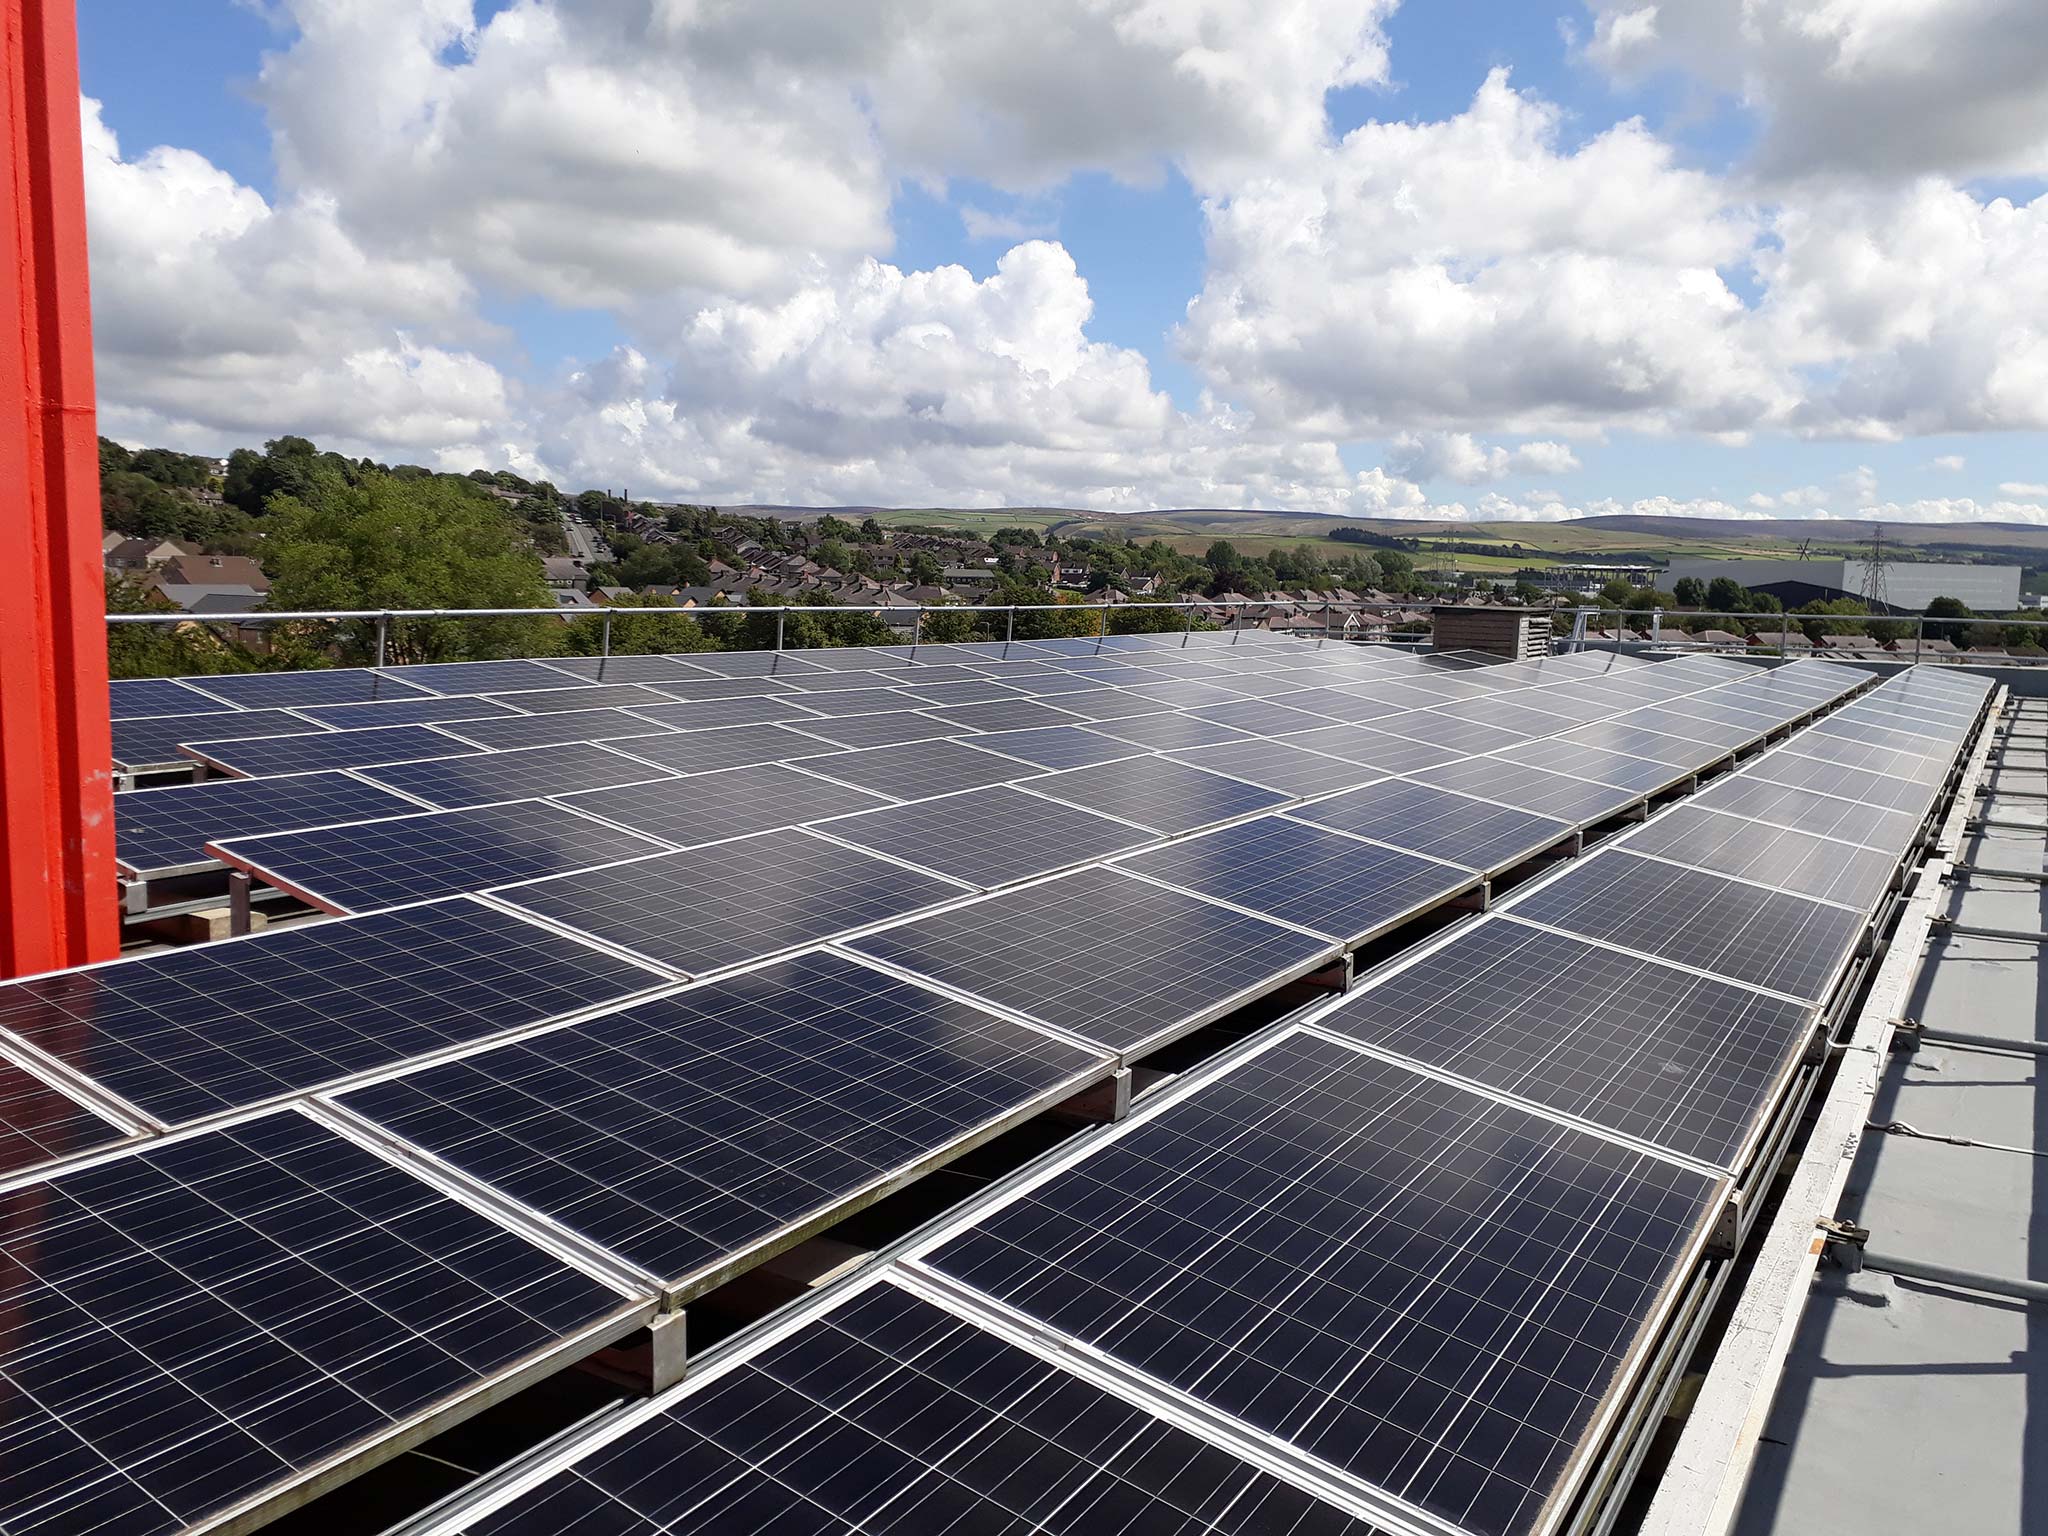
{"x": 1910, "y": 585}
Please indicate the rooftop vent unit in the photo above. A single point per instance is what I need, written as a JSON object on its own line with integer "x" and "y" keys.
{"x": 1516, "y": 633}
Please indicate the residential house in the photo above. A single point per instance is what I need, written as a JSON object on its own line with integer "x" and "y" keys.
{"x": 216, "y": 571}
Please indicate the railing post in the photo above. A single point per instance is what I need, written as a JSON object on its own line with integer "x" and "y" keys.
{"x": 1784, "y": 634}
{"x": 780, "y": 615}
{"x": 1188, "y": 630}
{"x": 1103, "y": 633}
{"x": 383, "y": 633}
{"x": 1010, "y": 628}
{"x": 605, "y": 645}
{"x": 1919, "y": 629}
{"x": 916, "y": 626}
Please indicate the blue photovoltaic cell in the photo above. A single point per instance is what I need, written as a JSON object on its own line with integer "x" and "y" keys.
{"x": 1287, "y": 769}
{"x": 763, "y": 895}
{"x": 839, "y": 703}
{"x": 748, "y": 663}
{"x": 135, "y": 697}
{"x": 920, "y": 770}
{"x": 951, "y": 1430}
{"x": 889, "y": 730}
{"x": 197, "y": 1324}
{"x": 1170, "y": 732}
{"x": 710, "y": 807}
{"x": 438, "y": 853}
{"x": 467, "y": 677}
{"x": 142, "y": 743}
{"x": 1305, "y": 875}
{"x": 1059, "y": 746}
{"x": 1159, "y": 793}
{"x": 709, "y": 714}
{"x": 625, "y": 669}
{"x": 548, "y": 730}
{"x": 1102, "y": 954}
{"x": 681, "y": 1132}
{"x": 193, "y": 1032}
{"x": 1371, "y": 748}
{"x": 1532, "y": 789}
{"x": 1777, "y": 856}
{"x": 282, "y": 690}
{"x": 37, "y": 1123}
{"x": 1427, "y": 1289}
{"x": 700, "y": 690}
{"x": 989, "y": 837}
{"x": 489, "y": 777}
{"x": 157, "y": 831}
{"x": 1438, "y": 823}
{"x": 327, "y": 749}
{"x": 555, "y": 701}
{"x": 733, "y": 746}
{"x": 356, "y": 717}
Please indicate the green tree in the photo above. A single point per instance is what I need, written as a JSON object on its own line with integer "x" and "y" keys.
{"x": 1691, "y": 592}
{"x": 1222, "y": 557}
{"x": 1949, "y": 608}
{"x": 164, "y": 650}
{"x": 925, "y": 569}
{"x": 1727, "y": 595}
{"x": 636, "y": 631}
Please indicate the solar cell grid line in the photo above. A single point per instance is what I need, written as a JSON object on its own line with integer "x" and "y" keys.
{"x": 988, "y": 837}
{"x": 709, "y": 714}
{"x": 793, "y": 708}
{"x": 1340, "y": 886}
{"x": 282, "y": 690}
{"x": 693, "y": 812}
{"x": 745, "y": 663}
{"x": 164, "y": 832}
{"x": 1795, "y": 945}
{"x": 1431, "y": 727}
{"x": 1392, "y": 695}
{"x": 625, "y": 669}
{"x": 286, "y": 1300}
{"x": 1631, "y": 740}
{"x": 551, "y": 701}
{"x": 707, "y": 1129}
{"x": 1005, "y": 715}
{"x": 1851, "y": 728}
{"x": 857, "y": 658}
{"x": 1681, "y": 1061}
{"x": 40, "y": 1123}
{"x": 253, "y": 757}
{"x": 1371, "y": 748}
{"x": 515, "y": 731}
{"x": 187, "y": 1034}
{"x": 945, "y": 695}
{"x": 1261, "y": 717}
{"x": 1523, "y": 788}
{"x": 1786, "y": 767}
{"x": 478, "y": 677}
{"x": 1111, "y": 704}
{"x": 154, "y": 741}
{"x": 1784, "y": 859}
{"x": 954, "y": 1427}
{"x": 1170, "y": 732}
{"x": 1272, "y": 765}
{"x": 1157, "y": 792}
{"x": 1572, "y": 704}
{"x": 364, "y": 866}
{"x": 766, "y": 895}
{"x": 1679, "y": 720}
{"x": 1847, "y": 753}
{"x": 489, "y": 778}
{"x": 727, "y": 746}
{"x": 1059, "y": 685}
{"x": 1944, "y": 728}
{"x": 1518, "y": 712}
{"x": 136, "y": 698}
{"x": 702, "y": 689}
{"x": 1103, "y": 955}
{"x": 1642, "y": 775}
{"x": 919, "y": 770}
{"x": 1806, "y": 810}
{"x": 1334, "y": 705}
{"x": 1182, "y": 695}
{"x": 934, "y": 674}
{"x": 883, "y": 730}
{"x": 1059, "y": 746}
{"x": 1449, "y": 1294}
{"x": 1438, "y": 824}
{"x": 425, "y": 711}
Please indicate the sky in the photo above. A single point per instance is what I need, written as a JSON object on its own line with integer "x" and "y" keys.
{"x": 1478, "y": 259}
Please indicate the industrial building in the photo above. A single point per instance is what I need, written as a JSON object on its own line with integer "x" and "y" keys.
{"x": 1909, "y": 585}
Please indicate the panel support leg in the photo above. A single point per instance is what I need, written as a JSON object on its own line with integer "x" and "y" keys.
{"x": 238, "y": 903}
{"x": 1104, "y": 1104}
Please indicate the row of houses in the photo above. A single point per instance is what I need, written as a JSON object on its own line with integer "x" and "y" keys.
{"x": 1794, "y": 642}
{"x": 185, "y": 576}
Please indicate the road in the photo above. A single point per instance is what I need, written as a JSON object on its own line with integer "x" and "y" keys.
{"x": 583, "y": 543}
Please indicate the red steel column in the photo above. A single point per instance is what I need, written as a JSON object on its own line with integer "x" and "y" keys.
{"x": 58, "y": 892}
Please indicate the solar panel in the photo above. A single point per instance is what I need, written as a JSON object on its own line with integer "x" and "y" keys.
{"x": 948, "y": 695}
{"x": 709, "y": 714}
{"x": 1334, "y": 705}
{"x": 134, "y": 698}
{"x": 708, "y": 808}
{"x": 162, "y": 832}
{"x": 1369, "y": 748}
{"x": 1786, "y": 767}
{"x": 1681, "y": 1061}
{"x": 928, "y": 673}
{"x": 422, "y": 711}
{"x": 703, "y": 689}
{"x": 1533, "y": 789}
{"x": 888, "y": 730}
{"x": 1060, "y": 746}
{"x": 1159, "y": 793}
{"x": 1341, "y": 887}
{"x": 734, "y": 802}
{"x": 468, "y": 677}
{"x": 38, "y": 1123}
{"x": 518, "y": 731}
{"x": 147, "y": 743}
{"x": 282, "y": 690}
{"x": 1744, "y": 932}
{"x": 1169, "y": 732}
{"x": 858, "y": 658}
{"x": 1690, "y": 725}
{"x": 1424, "y": 1288}
{"x": 1284, "y": 768}
{"x": 921, "y": 769}
{"x": 1393, "y": 695}
{"x": 625, "y": 669}
{"x": 1873, "y": 759}
{"x": 1058, "y": 685}
{"x": 749, "y": 663}
{"x": 201, "y": 1323}
{"x": 1939, "y": 744}
{"x": 554, "y": 701}
{"x": 1806, "y": 811}
{"x": 840, "y": 705}
{"x": 1643, "y": 775}
{"x": 1923, "y": 721}
{"x": 732, "y": 746}
{"x": 437, "y": 853}
{"x": 1260, "y": 717}
{"x": 684, "y": 1132}
{"x": 1007, "y": 715}
{"x": 1630, "y": 740}
{"x": 1435, "y": 822}
{"x": 314, "y": 750}
{"x": 1183, "y": 695}
{"x": 951, "y": 1429}
{"x": 1102, "y": 954}
{"x": 186, "y": 1033}
{"x": 989, "y": 837}
{"x": 528, "y": 773}
{"x": 1775, "y": 856}
{"x": 1521, "y": 714}
{"x": 769, "y": 893}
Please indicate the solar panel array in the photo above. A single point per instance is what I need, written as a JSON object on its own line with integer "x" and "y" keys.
{"x": 993, "y": 944}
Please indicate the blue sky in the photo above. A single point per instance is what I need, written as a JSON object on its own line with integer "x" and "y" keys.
{"x": 1352, "y": 345}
